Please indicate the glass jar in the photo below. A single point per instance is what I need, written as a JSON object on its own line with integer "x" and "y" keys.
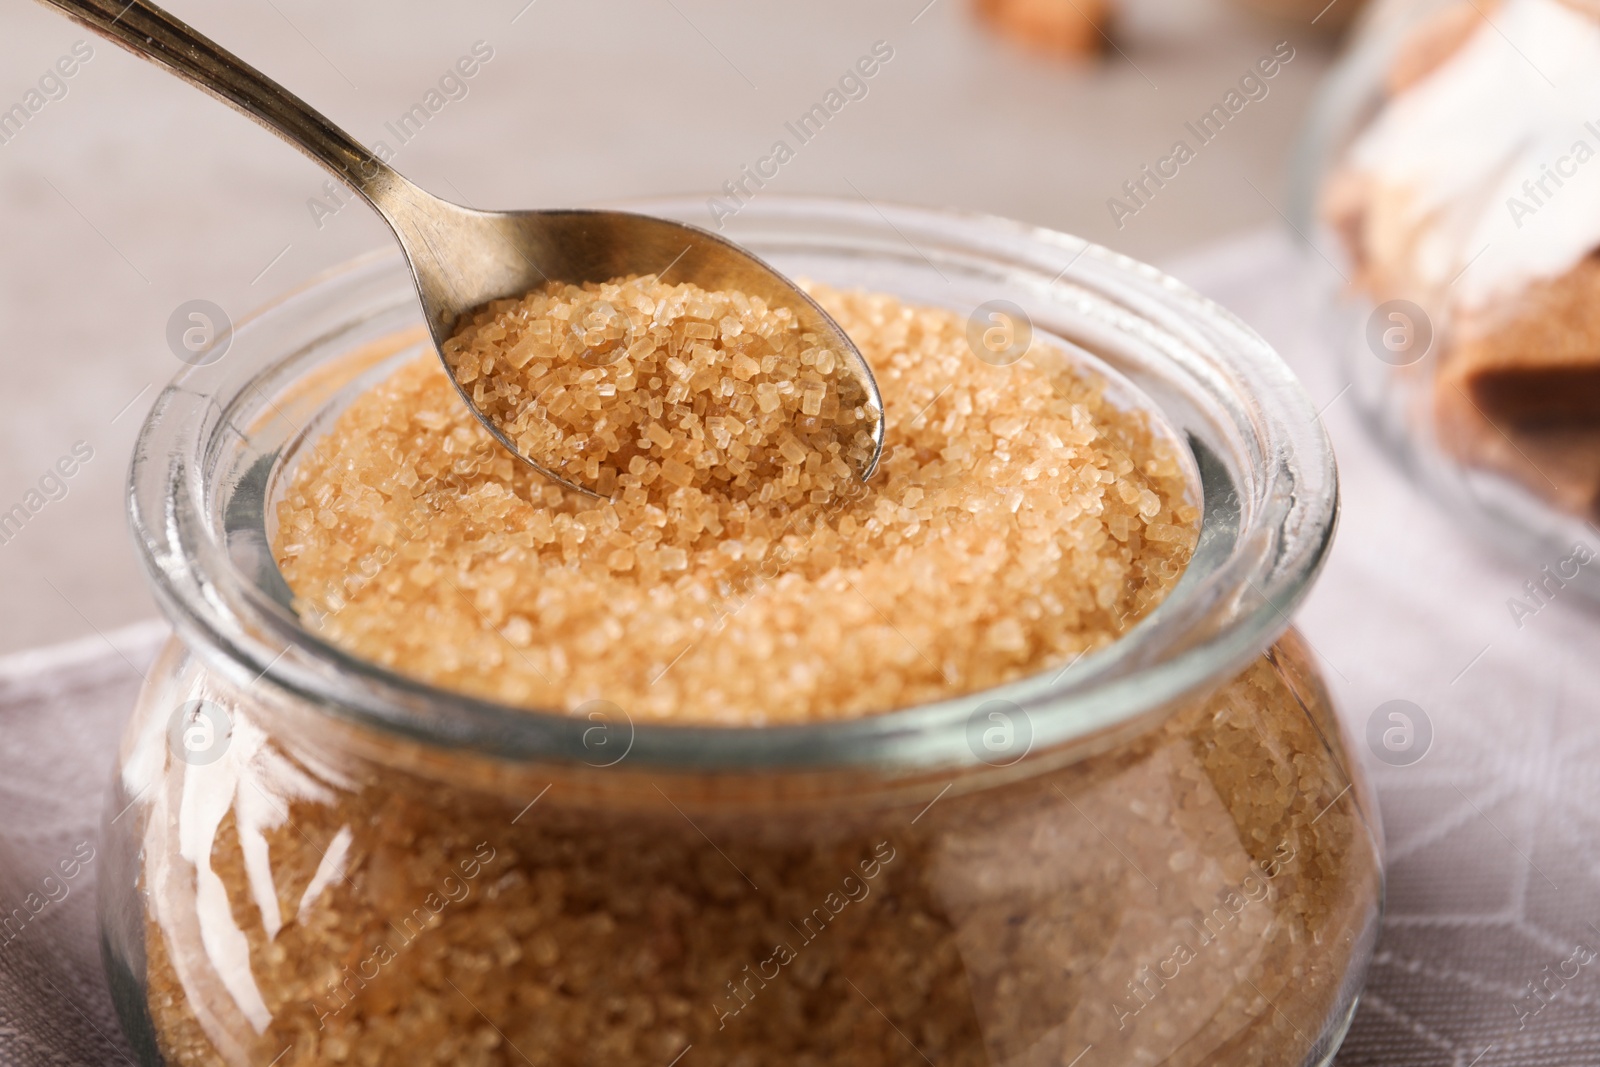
{"x": 1163, "y": 853}
{"x": 1446, "y": 177}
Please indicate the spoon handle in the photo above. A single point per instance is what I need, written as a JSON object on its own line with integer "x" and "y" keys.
{"x": 146, "y": 30}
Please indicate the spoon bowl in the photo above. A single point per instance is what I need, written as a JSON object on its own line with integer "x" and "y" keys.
{"x": 462, "y": 258}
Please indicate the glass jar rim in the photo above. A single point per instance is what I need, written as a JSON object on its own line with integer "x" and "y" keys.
{"x": 1267, "y": 475}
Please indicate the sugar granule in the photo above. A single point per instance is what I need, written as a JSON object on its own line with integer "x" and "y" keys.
{"x": 1019, "y": 518}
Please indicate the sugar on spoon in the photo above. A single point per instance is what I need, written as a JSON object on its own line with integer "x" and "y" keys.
{"x": 462, "y": 258}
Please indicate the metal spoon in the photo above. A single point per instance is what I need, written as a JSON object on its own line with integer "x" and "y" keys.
{"x": 462, "y": 258}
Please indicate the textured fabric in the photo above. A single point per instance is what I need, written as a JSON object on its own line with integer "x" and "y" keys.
{"x": 61, "y": 712}
{"x": 1493, "y": 836}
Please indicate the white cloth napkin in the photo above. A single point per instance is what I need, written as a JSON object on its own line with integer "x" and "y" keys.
{"x": 1493, "y": 836}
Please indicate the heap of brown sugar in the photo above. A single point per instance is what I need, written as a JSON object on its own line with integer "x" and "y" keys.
{"x": 1018, "y": 519}
{"x": 642, "y": 387}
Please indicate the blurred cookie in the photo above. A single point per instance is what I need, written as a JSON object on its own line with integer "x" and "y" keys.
{"x": 1055, "y": 27}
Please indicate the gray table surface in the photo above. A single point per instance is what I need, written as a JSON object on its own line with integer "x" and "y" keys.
{"x": 133, "y": 193}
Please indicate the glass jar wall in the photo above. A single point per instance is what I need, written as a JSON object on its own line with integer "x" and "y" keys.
{"x": 1202, "y": 894}
{"x": 1160, "y": 854}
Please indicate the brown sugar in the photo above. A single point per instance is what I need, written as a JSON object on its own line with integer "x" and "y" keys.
{"x": 1540, "y": 362}
{"x": 1025, "y": 920}
{"x": 640, "y": 388}
{"x": 1558, "y": 462}
{"x": 1020, "y": 516}
{"x": 1519, "y": 391}
{"x": 1018, "y": 519}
